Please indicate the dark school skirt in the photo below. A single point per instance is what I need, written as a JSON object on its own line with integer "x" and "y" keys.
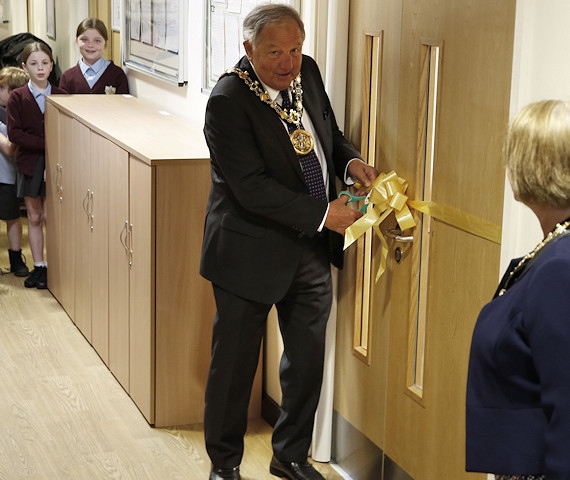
{"x": 32, "y": 186}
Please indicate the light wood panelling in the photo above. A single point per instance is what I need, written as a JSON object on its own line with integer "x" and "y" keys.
{"x": 425, "y": 436}
{"x": 360, "y": 388}
{"x": 475, "y": 39}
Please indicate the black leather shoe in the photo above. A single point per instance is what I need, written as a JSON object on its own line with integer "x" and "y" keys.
{"x": 41, "y": 282}
{"x": 37, "y": 279}
{"x": 225, "y": 473}
{"x": 294, "y": 470}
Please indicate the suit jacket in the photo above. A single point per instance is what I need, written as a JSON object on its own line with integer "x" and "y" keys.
{"x": 259, "y": 212}
{"x": 518, "y": 389}
{"x": 73, "y": 81}
{"x": 26, "y": 127}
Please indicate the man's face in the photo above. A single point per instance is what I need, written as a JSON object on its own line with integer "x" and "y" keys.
{"x": 278, "y": 55}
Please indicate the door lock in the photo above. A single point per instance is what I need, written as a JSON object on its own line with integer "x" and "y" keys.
{"x": 398, "y": 254}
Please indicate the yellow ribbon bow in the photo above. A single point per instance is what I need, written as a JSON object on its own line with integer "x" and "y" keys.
{"x": 387, "y": 194}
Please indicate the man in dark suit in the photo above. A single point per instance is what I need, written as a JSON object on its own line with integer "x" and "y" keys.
{"x": 272, "y": 228}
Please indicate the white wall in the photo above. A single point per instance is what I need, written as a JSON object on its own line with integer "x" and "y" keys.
{"x": 16, "y": 19}
{"x": 540, "y": 70}
{"x": 68, "y": 14}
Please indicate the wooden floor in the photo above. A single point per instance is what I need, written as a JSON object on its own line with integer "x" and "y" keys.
{"x": 64, "y": 416}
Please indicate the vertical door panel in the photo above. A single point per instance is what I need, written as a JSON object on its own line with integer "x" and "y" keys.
{"x": 101, "y": 155}
{"x": 119, "y": 258}
{"x": 82, "y": 233}
{"x": 141, "y": 307}
{"x": 444, "y": 101}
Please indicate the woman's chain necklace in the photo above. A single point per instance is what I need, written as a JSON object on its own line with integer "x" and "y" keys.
{"x": 558, "y": 230}
{"x": 300, "y": 138}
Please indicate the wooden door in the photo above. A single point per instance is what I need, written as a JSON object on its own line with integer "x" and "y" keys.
{"x": 443, "y": 105}
{"x": 101, "y": 157}
{"x": 118, "y": 263}
{"x": 141, "y": 287}
{"x": 83, "y": 222}
{"x": 54, "y": 198}
{"x": 59, "y": 204}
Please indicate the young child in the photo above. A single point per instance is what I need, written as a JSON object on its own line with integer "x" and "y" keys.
{"x": 25, "y": 116}
{"x": 10, "y": 78}
{"x": 93, "y": 74}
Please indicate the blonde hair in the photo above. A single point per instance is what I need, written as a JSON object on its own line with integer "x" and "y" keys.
{"x": 13, "y": 77}
{"x": 537, "y": 152}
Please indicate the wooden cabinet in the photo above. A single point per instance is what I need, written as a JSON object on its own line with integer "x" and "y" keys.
{"x": 124, "y": 255}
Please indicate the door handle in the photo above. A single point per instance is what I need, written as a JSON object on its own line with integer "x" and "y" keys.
{"x": 396, "y": 235}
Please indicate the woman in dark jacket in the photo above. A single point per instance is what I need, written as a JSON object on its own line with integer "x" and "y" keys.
{"x": 518, "y": 390}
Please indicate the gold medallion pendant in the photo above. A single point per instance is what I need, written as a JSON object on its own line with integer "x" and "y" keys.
{"x": 302, "y": 141}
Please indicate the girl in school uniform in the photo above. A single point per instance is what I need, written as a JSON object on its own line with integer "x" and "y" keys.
{"x": 25, "y": 121}
{"x": 93, "y": 74}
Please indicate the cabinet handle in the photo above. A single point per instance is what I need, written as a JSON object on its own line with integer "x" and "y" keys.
{"x": 56, "y": 176}
{"x": 130, "y": 250}
{"x": 122, "y": 239}
{"x": 57, "y": 180}
{"x": 90, "y": 210}
{"x": 85, "y": 201}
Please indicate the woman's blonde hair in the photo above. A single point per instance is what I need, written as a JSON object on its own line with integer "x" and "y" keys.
{"x": 537, "y": 152}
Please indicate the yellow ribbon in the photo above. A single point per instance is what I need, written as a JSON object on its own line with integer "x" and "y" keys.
{"x": 387, "y": 195}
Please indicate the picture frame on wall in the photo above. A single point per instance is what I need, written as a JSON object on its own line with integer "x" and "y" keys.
{"x": 50, "y": 19}
{"x": 116, "y": 16}
{"x": 3, "y": 12}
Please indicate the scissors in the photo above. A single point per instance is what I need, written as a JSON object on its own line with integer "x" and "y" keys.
{"x": 356, "y": 198}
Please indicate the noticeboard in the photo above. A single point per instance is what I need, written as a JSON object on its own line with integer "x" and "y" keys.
{"x": 154, "y": 37}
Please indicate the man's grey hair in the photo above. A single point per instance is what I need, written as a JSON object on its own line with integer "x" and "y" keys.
{"x": 268, "y": 14}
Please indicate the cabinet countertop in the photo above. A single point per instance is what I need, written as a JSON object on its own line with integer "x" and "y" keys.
{"x": 140, "y": 128}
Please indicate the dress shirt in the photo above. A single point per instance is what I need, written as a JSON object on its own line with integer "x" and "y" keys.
{"x": 40, "y": 95}
{"x": 275, "y": 95}
{"x": 92, "y": 73}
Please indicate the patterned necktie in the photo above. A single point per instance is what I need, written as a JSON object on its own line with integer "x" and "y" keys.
{"x": 310, "y": 164}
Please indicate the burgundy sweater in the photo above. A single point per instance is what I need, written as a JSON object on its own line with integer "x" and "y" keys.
{"x": 25, "y": 123}
{"x": 73, "y": 81}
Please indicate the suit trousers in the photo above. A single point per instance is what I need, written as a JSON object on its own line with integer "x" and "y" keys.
{"x": 239, "y": 326}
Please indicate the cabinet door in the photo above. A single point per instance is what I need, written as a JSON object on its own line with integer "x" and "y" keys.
{"x": 82, "y": 233}
{"x": 54, "y": 198}
{"x": 141, "y": 287}
{"x": 119, "y": 258}
{"x": 101, "y": 156}
{"x": 59, "y": 185}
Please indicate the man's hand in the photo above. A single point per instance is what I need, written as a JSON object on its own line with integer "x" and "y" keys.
{"x": 362, "y": 173}
{"x": 340, "y": 216}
